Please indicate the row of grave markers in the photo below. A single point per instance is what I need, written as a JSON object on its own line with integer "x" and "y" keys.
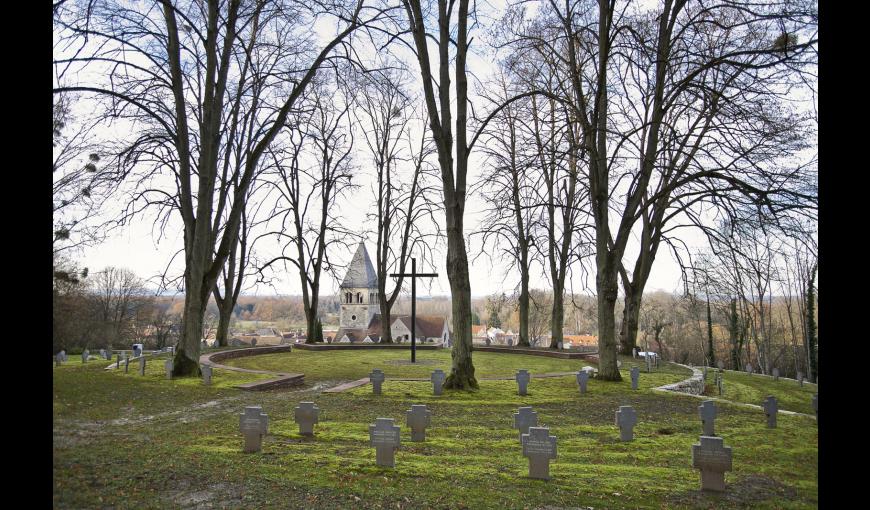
{"x": 709, "y": 455}
{"x": 168, "y": 364}
{"x": 106, "y": 354}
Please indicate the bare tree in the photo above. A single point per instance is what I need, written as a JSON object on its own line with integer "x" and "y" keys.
{"x": 118, "y": 294}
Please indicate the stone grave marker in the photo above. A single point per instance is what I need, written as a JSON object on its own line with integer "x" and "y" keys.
{"x": 561, "y": 346}
{"x": 167, "y": 366}
{"x": 109, "y": 354}
{"x": 142, "y": 365}
{"x": 85, "y": 354}
{"x": 721, "y": 385}
{"x": 63, "y": 353}
{"x": 523, "y": 419}
{"x": 648, "y": 364}
{"x": 419, "y": 417}
{"x": 713, "y": 458}
{"x": 522, "y": 378}
{"x": 800, "y": 378}
{"x": 816, "y": 406}
{"x": 656, "y": 361}
{"x": 206, "y": 374}
{"x": 510, "y": 342}
{"x": 58, "y": 359}
{"x": 720, "y": 364}
{"x": 749, "y": 368}
{"x": 770, "y": 409}
{"x": 376, "y": 378}
{"x": 306, "y": 415}
{"x": 775, "y": 374}
{"x": 582, "y": 380}
{"x": 126, "y": 364}
{"x": 707, "y": 411}
{"x": 635, "y": 375}
{"x": 438, "y": 378}
{"x": 626, "y": 418}
{"x": 634, "y": 352}
{"x": 254, "y": 424}
{"x": 540, "y": 447}
{"x": 118, "y": 363}
{"x": 384, "y": 437}
{"x": 103, "y": 354}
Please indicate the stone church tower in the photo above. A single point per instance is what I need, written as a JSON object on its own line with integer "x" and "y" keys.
{"x": 359, "y": 292}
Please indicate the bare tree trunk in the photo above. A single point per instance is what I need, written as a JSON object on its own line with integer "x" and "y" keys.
{"x": 462, "y": 371}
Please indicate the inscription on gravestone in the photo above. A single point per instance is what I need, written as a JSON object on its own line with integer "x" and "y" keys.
{"x": 419, "y": 417}
{"x": 635, "y": 375}
{"x": 713, "y": 459}
{"x": 376, "y": 378}
{"x": 142, "y": 365}
{"x": 770, "y": 409}
{"x": 707, "y": 411}
{"x": 582, "y": 380}
{"x": 626, "y": 418}
{"x": 522, "y": 378}
{"x": 523, "y": 419}
{"x": 384, "y": 437}
{"x": 167, "y": 366}
{"x": 540, "y": 447}
{"x": 437, "y": 379}
{"x": 254, "y": 424}
{"x": 306, "y": 415}
{"x": 206, "y": 374}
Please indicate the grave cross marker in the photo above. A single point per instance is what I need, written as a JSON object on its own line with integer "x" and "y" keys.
{"x": 384, "y": 436}
{"x": 707, "y": 411}
{"x": 414, "y": 275}
{"x": 142, "y": 365}
{"x": 254, "y": 424}
{"x": 103, "y": 354}
{"x": 523, "y": 419}
{"x": 85, "y": 354}
{"x": 770, "y": 409}
{"x": 419, "y": 417}
{"x": 376, "y": 378}
{"x": 713, "y": 459}
{"x": 635, "y": 375}
{"x": 437, "y": 381}
{"x": 626, "y": 418}
{"x": 539, "y": 446}
{"x": 168, "y": 367}
{"x": 206, "y": 374}
{"x": 522, "y": 378}
{"x": 582, "y": 380}
{"x": 306, "y": 415}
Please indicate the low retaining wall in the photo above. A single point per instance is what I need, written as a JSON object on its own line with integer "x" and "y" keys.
{"x": 694, "y": 385}
{"x": 283, "y": 379}
{"x": 588, "y": 356}
{"x": 336, "y": 347}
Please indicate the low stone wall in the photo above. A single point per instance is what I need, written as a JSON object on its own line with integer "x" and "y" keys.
{"x": 588, "y": 356}
{"x": 282, "y": 379}
{"x": 694, "y": 385}
{"x": 337, "y": 347}
{"x": 240, "y": 353}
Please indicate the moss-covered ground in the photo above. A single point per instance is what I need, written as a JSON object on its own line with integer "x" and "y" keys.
{"x": 125, "y": 441}
{"x": 752, "y": 389}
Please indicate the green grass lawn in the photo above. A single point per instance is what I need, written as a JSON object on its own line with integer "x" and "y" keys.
{"x": 126, "y": 441}
{"x": 752, "y": 389}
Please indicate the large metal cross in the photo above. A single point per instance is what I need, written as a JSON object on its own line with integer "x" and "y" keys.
{"x": 414, "y": 275}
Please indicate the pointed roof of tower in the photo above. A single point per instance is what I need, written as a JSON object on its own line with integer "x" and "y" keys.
{"x": 360, "y": 272}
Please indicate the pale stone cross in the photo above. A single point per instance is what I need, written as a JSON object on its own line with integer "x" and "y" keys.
{"x": 384, "y": 436}
{"x": 167, "y": 365}
{"x": 438, "y": 381}
{"x": 419, "y": 417}
{"x": 626, "y": 418}
{"x": 522, "y": 378}
{"x": 85, "y": 354}
{"x": 707, "y": 411}
{"x": 376, "y": 378}
{"x": 539, "y": 446}
{"x": 142, "y": 365}
{"x": 254, "y": 424}
{"x": 523, "y": 419}
{"x": 63, "y": 353}
{"x": 635, "y": 375}
{"x": 206, "y": 374}
{"x": 770, "y": 409}
{"x": 306, "y": 415}
{"x": 582, "y": 380}
{"x": 775, "y": 374}
{"x": 713, "y": 459}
